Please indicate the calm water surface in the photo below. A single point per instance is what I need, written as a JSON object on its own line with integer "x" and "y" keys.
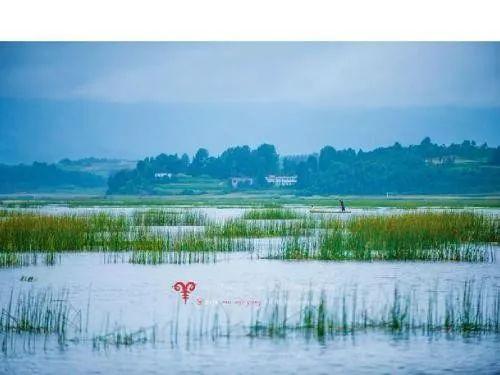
{"x": 134, "y": 296}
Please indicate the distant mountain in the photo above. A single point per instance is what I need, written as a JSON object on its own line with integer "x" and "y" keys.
{"x": 44, "y": 177}
{"x": 100, "y": 167}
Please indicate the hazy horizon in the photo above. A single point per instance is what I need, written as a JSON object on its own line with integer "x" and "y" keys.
{"x": 132, "y": 100}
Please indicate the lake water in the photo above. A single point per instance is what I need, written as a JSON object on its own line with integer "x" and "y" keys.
{"x": 119, "y": 294}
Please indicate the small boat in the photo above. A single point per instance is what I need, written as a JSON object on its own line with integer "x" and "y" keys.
{"x": 326, "y": 211}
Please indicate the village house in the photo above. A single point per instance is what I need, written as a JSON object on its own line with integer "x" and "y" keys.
{"x": 281, "y": 180}
{"x": 163, "y": 175}
{"x": 237, "y": 181}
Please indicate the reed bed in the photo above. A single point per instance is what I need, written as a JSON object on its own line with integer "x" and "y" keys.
{"x": 426, "y": 236}
{"x": 470, "y": 310}
{"x": 33, "y": 232}
{"x": 427, "y": 229}
{"x": 171, "y": 257}
{"x": 272, "y": 214}
{"x": 429, "y": 236}
{"x": 31, "y": 239}
{"x": 199, "y": 242}
{"x": 101, "y": 232}
{"x": 190, "y": 248}
{"x": 240, "y": 228}
{"x": 169, "y": 217}
{"x": 4, "y": 213}
{"x": 15, "y": 259}
{"x": 42, "y": 311}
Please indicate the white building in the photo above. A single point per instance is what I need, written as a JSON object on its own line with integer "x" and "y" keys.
{"x": 162, "y": 175}
{"x": 235, "y": 181}
{"x": 281, "y": 180}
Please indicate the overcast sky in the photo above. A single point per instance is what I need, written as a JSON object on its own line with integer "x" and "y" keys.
{"x": 132, "y": 100}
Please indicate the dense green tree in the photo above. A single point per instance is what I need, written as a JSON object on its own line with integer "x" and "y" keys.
{"x": 326, "y": 157}
{"x": 495, "y": 157}
{"x": 422, "y": 168}
{"x": 236, "y": 161}
{"x": 199, "y": 161}
{"x": 265, "y": 160}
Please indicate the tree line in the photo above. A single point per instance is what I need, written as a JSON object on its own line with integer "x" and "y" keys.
{"x": 424, "y": 168}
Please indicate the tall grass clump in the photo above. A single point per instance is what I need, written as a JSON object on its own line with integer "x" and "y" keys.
{"x": 235, "y": 228}
{"x": 187, "y": 248}
{"x": 19, "y": 259}
{"x": 171, "y": 257}
{"x": 51, "y": 234}
{"x": 272, "y": 214}
{"x": 428, "y": 228}
{"x": 42, "y": 311}
{"x": 295, "y": 247}
{"x": 32, "y": 232}
{"x": 429, "y": 236}
{"x": 455, "y": 236}
{"x": 461, "y": 312}
{"x": 169, "y": 217}
{"x": 200, "y": 242}
{"x": 4, "y": 213}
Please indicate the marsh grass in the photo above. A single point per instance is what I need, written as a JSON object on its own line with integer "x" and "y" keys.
{"x": 272, "y": 214}
{"x": 101, "y": 232}
{"x": 190, "y": 248}
{"x": 241, "y": 228}
{"x": 169, "y": 217}
{"x": 30, "y": 239}
{"x": 467, "y": 311}
{"x": 19, "y": 259}
{"x": 470, "y": 309}
{"x": 34, "y": 232}
{"x": 4, "y": 213}
{"x": 429, "y": 236}
{"x": 42, "y": 311}
{"x": 172, "y": 257}
{"x": 426, "y": 229}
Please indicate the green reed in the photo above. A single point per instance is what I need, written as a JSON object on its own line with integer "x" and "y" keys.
{"x": 272, "y": 214}
{"x": 5, "y": 213}
{"x": 199, "y": 242}
{"x": 432, "y": 236}
{"x": 171, "y": 257}
{"x": 462, "y": 312}
{"x": 169, "y": 217}
{"x": 189, "y": 248}
{"x": 18, "y": 259}
{"x": 42, "y": 311}
{"x": 30, "y": 239}
{"x": 34, "y": 232}
{"x": 236, "y": 228}
{"x": 50, "y": 234}
{"x": 469, "y": 309}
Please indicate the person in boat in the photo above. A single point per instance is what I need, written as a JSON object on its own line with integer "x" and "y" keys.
{"x": 342, "y": 206}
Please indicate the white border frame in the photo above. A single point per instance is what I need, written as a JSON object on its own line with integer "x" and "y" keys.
{"x": 256, "y": 20}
